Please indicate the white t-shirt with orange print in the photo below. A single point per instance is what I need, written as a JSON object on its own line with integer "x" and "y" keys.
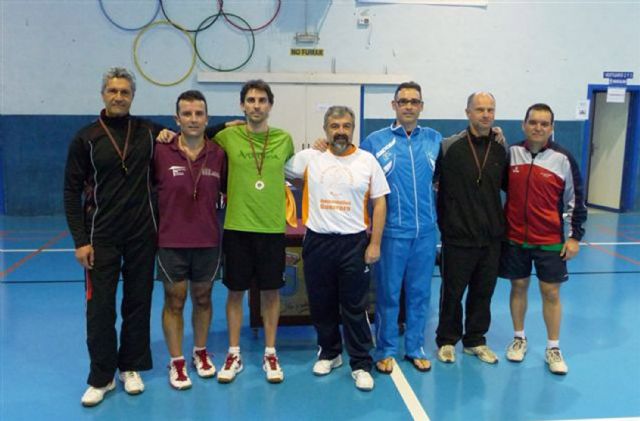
{"x": 337, "y": 188}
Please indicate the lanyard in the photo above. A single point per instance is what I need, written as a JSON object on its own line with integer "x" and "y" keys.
{"x": 197, "y": 179}
{"x": 477, "y": 161}
{"x": 253, "y": 149}
{"x": 121, "y": 154}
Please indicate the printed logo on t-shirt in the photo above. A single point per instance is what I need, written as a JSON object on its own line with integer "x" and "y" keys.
{"x": 210, "y": 173}
{"x": 177, "y": 170}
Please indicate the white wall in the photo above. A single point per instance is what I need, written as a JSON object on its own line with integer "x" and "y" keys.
{"x": 54, "y": 52}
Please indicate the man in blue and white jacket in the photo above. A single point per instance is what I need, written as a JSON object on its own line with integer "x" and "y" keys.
{"x": 407, "y": 153}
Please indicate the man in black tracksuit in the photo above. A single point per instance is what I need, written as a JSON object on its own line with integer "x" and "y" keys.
{"x": 110, "y": 216}
{"x": 469, "y": 173}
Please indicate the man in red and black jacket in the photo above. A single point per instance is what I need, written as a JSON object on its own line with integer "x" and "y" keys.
{"x": 544, "y": 189}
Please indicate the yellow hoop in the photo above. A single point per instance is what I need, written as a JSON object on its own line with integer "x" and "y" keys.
{"x": 139, "y": 67}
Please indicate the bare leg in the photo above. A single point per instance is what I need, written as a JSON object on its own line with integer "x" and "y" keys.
{"x": 202, "y": 311}
{"x": 551, "y": 309}
{"x": 270, "y": 315}
{"x": 234, "y": 316}
{"x": 518, "y": 301}
{"x": 175, "y": 295}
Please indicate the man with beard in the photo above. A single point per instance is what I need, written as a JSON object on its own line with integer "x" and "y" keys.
{"x": 254, "y": 227}
{"x": 338, "y": 183}
{"x": 469, "y": 172}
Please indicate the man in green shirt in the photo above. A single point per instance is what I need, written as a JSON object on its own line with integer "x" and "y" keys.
{"x": 254, "y": 228}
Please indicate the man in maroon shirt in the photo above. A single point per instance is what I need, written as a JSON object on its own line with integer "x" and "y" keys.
{"x": 190, "y": 173}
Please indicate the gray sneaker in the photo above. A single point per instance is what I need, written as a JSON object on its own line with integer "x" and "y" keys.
{"x": 517, "y": 349}
{"x": 553, "y": 357}
{"x": 483, "y": 352}
{"x": 447, "y": 354}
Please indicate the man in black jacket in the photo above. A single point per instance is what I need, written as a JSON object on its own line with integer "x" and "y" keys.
{"x": 469, "y": 173}
{"x": 107, "y": 200}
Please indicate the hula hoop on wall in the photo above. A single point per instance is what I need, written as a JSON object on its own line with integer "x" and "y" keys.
{"x": 182, "y": 28}
{"x": 249, "y": 28}
{"x": 215, "y": 18}
{"x": 124, "y": 28}
{"x": 139, "y": 67}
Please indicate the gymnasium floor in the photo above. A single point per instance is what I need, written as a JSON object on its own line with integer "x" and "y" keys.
{"x": 44, "y": 362}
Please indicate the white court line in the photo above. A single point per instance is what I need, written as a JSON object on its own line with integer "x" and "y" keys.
{"x": 410, "y": 400}
{"x": 627, "y": 243}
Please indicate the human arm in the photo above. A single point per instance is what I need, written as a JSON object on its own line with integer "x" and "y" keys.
{"x": 499, "y": 136}
{"x": 321, "y": 144}
{"x": 372, "y": 252}
{"x": 166, "y": 135}
{"x": 570, "y": 249}
{"x": 296, "y": 166}
{"x": 75, "y": 176}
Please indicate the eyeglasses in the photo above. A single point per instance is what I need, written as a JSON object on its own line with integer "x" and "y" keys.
{"x": 404, "y": 102}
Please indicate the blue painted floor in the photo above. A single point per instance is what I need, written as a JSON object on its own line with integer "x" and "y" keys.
{"x": 44, "y": 363}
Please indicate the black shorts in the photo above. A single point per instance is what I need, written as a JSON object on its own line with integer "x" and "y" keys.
{"x": 252, "y": 255}
{"x": 516, "y": 263}
{"x": 194, "y": 264}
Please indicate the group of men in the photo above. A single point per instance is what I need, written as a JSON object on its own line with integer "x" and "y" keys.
{"x": 410, "y": 177}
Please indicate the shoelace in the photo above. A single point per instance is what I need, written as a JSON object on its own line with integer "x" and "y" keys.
{"x": 202, "y": 357}
{"x": 179, "y": 366}
{"x": 131, "y": 375}
{"x": 272, "y": 360}
{"x": 554, "y": 356}
{"x": 230, "y": 360}
{"x": 518, "y": 344}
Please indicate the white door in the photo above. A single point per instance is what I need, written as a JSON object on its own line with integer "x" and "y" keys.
{"x": 609, "y": 134}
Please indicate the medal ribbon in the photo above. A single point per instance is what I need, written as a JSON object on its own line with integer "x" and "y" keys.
{"x": 475, "y": 158}
{"x": 253, "y": 149}
{"x": 121, "y": 154}
{"x": 204, "y": 163}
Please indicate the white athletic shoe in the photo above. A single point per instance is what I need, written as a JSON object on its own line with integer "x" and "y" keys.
{"x": 483, "y": 352}
{"x": 231, "y": 368}
{"x": 94, "y": 395}
{"x": 271, "y": 366}
{"x": 133, "y": 384}
{"x": 363, "y": 380}
{"x": 553, "y": 358}
{"x": 203, "y": 364}
{"x": 447, "y": 354}
{"x": 517, "y": 350}
{"x": 324, "y": 367}
{"x": 178, "y": 376}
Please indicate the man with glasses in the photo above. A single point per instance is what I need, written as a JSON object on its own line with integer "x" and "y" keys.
{"x": 407, "y": 153}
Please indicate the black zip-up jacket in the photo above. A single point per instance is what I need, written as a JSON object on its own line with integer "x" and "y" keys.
{"x": 102, "y": 203}
{"x": 469, "y": 207}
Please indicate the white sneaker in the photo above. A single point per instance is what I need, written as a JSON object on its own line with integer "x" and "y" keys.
{"x": 447, "y": 354}
{"x": 133, "y": 384}
{"x": 178, "y": 376}
{"x": 94, "y": 395}
{"x": 553, "y": 357}
{"x": 363, "y": 379}
{"x": 483, "y": 352}
{"x": 517, "y": 350}
{"x": 271, "y": 366}
{"x": 324, "y": 367}
{"x": 203, "y": 364}
{"x": 231, "y": 368}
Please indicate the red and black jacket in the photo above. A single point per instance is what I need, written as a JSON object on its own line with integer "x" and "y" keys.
{"x": 543, "y": 189}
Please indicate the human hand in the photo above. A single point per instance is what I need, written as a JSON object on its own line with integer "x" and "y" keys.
{"x": 499, "y": 135}
{"x": 372, "y": 253}
{"x": 570, "y": 248}
{"x": 165, "y": 136}
{"x": 85, "y": 256}
{"x": 320, "y": 144}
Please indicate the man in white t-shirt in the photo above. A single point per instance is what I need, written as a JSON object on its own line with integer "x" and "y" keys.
{"x": 338, "y": 185}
